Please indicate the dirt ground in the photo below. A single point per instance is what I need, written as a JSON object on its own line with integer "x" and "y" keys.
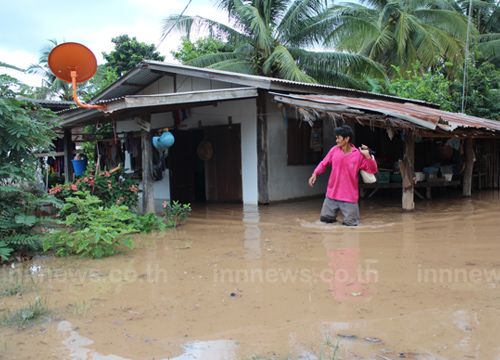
{"x": 241, "y": 282}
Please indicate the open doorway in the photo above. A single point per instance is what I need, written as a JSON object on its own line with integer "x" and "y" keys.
{"x": 216, "y": 178}
{"x": 187, "y": 170}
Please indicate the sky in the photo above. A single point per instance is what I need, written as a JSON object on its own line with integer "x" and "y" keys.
{"x": 27, "y": 25}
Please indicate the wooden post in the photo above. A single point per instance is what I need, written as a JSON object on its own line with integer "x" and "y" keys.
{"x": 469, "y": 165}
{"x": 148, "y": 192}
{"x": 68, "y": 156}
{"x": 262, "y": 148}
{"x": 409, "y": 194}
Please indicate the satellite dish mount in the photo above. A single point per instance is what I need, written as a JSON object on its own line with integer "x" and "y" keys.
{"x": 74, "y": 63}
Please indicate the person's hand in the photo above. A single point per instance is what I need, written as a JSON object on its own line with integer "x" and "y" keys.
{"x": 312, "y": 180}
{"x": 364, "y": 150}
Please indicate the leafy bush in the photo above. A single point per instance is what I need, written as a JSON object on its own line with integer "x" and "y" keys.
{"x": 93, "y": 229}
{"x": 148, "y": 223}
{"x": 175, "y": 213}
{"x": 111, "y": 187}
{"x": 98, "y": 231}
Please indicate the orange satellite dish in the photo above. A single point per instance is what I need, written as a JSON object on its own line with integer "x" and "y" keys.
{"x": 74, "y": 63}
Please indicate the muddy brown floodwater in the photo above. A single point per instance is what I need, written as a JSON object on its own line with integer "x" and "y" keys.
{"x": 237, "y": 282}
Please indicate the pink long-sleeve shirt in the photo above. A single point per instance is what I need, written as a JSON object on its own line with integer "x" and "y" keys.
{"x": 343, "y": 182}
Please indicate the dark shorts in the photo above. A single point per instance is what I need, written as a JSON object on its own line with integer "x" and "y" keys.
{"x": 350, "y": 210}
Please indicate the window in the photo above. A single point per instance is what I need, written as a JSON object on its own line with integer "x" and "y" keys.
{"x": 305, "y": 144}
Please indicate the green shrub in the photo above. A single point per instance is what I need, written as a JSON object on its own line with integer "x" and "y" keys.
{"x": 148, "y": 223}
{"x": 175, "y": 212}
{"x": 92, "y": 229}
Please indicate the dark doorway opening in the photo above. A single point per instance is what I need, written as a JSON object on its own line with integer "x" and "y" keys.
{"x": 214, "y": 179}
{"x": 187, "y": 170}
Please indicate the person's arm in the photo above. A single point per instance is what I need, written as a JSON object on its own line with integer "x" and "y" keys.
{"x": 368, "y": 164}
{"x": 320, "y": 169}
{"x": 312, "y": 179}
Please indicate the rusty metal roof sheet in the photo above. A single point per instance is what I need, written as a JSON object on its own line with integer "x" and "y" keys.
{"x": 419, "y": 115}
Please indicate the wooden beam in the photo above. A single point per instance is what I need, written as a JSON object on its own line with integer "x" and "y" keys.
{"x": 68, "y": 156}
{"x": 148, "y": 193}
{"x": 408, "y": 194}
{"x": 469, "y": 165}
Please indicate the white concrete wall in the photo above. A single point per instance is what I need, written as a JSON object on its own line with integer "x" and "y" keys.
{"x": 242, "y": 112}
{"x": 290, "y": 181}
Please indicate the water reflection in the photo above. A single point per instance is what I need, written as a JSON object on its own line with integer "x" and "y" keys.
{"x": 348, "y": 279}
{"x": 76, "y": 344}
{"x": 209, "y": 350}
{"x": 252, "y": 232}
{"x": 75, "y": 348}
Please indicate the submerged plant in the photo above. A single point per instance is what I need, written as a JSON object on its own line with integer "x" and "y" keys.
{"x": 175, "y": 212}
{"x": 26, "y": 314}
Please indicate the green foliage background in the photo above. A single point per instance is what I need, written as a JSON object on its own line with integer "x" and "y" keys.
{"x": 25, "y": 128}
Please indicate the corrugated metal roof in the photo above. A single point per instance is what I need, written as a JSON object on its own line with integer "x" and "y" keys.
{"x": 130, "y": 84}
{"x": 422, "y": 116}
{"x": 149, "y": 71}
{"x": 53, "y": 102}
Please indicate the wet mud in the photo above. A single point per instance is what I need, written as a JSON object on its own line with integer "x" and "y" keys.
{"x": 272, "y": 281}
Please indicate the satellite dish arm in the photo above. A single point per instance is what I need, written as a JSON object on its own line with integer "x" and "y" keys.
{"x": 74, "y": 75}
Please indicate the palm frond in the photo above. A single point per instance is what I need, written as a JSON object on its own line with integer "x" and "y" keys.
{"x": 281, "y": 64}
{"x": 240, "y": 66}
{"x": 211, "y": 59}
{"x": 8, "y": 66}
{"x": 355, "y": 66}
{"x": 489, "y": 46}
{"x": 256, "y": 25}
{"x": 186, "y": 25}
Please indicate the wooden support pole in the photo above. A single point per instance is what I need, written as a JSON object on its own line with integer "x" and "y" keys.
{"x": 68, "y": 156}
{"x": 262, "y": 150}
{"x": 409, "y": 193}
{"x": 469, "y": 165}
{"x": 148, "y": 193}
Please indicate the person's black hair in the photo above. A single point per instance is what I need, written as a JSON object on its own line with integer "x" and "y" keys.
{"x": 344, "y": 131}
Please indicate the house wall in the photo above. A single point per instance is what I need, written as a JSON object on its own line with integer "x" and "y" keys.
{"x": 243, "y": 112}
{"x": 182, "y": 83}
{"x": 285, "y": 181}
{"x": 290, "y": 181}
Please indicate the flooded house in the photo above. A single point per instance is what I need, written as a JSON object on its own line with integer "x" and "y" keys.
{"x": 256, "y": 140}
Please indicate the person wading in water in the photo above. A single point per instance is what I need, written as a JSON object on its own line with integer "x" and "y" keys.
{"x": 342, "y": 190}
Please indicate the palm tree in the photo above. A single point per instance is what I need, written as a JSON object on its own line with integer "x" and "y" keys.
{"x": 486, "y": 18}
{"x": 268, "y": 36}
{"x": 396, "y": 32}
